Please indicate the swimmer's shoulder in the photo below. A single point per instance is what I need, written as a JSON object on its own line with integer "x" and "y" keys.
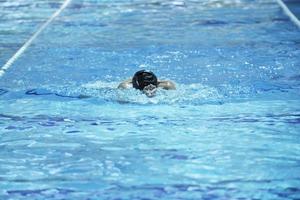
{"x": 125, "y": 84}
{"x": 166, "y": 84}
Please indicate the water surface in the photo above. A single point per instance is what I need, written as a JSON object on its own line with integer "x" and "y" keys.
{"x": 229, "y": 131}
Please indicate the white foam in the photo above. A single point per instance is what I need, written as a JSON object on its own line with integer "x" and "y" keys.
{"x": 100, "y": 84}
{"x": 183, "y": 94}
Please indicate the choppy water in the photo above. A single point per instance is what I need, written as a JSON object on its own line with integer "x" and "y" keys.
{"x": 229, "y": 131}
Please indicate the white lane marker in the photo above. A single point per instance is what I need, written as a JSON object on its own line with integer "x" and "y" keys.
{"x": 289, "y": 13}
{"x": 9, "y": 63}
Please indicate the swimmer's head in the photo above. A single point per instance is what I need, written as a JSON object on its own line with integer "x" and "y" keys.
{"x": 145, "y": 81}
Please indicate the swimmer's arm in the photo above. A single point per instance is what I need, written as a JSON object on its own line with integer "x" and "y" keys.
{"x": 125, "y": 84}
{"x": 167, "y": 85}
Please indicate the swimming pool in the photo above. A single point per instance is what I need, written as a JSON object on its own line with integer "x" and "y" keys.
{"x": 229, "y": 131}
{"x": 294, "y": 6}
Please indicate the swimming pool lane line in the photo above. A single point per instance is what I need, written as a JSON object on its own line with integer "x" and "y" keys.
{"x": 289, "y": 13}
{"x": 9, "y": 63}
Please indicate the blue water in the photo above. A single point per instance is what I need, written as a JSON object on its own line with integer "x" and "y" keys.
{"x": 229, "y": 131}
{"x": 294, "y": 6}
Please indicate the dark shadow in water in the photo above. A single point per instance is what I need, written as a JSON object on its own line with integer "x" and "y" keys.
{"x": 2, "y": 91}
{"x": 42, "y": 93}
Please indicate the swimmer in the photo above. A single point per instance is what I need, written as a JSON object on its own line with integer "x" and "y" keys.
{"x": 147, "y": 82}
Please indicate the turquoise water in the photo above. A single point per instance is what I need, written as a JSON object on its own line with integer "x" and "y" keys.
{"x": 229, "y": 131}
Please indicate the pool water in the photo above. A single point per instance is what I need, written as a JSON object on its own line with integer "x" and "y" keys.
{"x": 229, "y": 131}
{"x": 294, "y": 6}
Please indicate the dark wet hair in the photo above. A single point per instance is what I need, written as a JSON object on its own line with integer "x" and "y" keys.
{"x": 144, "y": 78}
